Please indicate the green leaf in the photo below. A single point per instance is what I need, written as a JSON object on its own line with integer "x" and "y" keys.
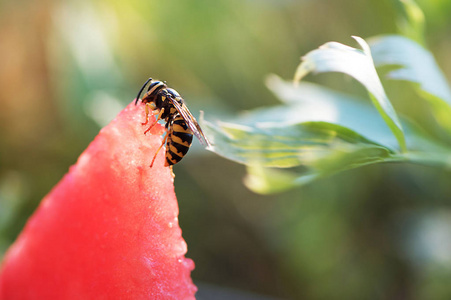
{"x": 272, "y": 144}
{"x": 418, "y": 66}
{"x": 319, "y": 130}
{"x": 309, "y": 102}
{"x": 316, "y": 133}
{"x": 336, "y": 57}
{"x": 268, "y": 180}
{"x": 312, "y": 102}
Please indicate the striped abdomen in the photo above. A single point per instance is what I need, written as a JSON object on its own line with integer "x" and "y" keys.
{"x": 179, "y": 141}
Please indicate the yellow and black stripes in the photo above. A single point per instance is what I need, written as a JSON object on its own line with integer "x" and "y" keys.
{"x": 179, "y": 140}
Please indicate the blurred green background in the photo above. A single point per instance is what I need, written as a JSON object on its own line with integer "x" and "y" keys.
{"x": 68, "y": 67}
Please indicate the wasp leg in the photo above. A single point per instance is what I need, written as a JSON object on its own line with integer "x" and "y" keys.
{"x": 153, "y": 124}
{"x": 149, "y": 107}
{"x": 161, "y": 146}
{"x": 172, "y": 172}
{"x": 147, "y": 114}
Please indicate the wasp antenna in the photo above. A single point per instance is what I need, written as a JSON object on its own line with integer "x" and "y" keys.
{"x": 141, "y": 90}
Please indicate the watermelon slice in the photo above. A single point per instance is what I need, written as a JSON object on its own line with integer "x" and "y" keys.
{"x": 108, "y": 229}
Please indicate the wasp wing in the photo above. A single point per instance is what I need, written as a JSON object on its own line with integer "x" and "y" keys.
{"x": 191, "y": 121}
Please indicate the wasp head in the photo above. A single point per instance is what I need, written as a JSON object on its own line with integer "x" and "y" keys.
{"x": 153, "y": 90}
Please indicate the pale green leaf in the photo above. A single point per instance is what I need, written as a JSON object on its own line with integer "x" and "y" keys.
{"x": 274, "y": 144}
{"x": 336, "y": 57}
{"x": 417, "y": 65}
{"x": 268, "y": 180}
{"x": 320, "y": 134}
{"x": 309, "y": 102}
{"x": 319, "y": 130}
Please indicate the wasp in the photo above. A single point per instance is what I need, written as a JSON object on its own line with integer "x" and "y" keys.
{"x": 180, "y": 123}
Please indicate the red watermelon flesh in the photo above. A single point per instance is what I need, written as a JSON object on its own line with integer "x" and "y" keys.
{"x": 108, "y": 229}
